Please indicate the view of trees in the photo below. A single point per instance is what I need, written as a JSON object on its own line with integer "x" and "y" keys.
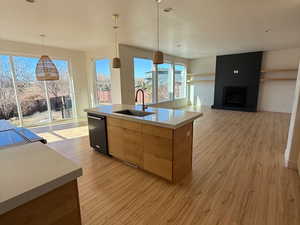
{"x": 146, "y": 85}
{"x": 8, "y": 106}
{"x": 31, "y": 94}
{"x": 103, "y": 87}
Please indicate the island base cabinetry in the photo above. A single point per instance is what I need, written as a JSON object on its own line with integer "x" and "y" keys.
{"x": 58, "y": 207}
{"x": 162, "y": 151}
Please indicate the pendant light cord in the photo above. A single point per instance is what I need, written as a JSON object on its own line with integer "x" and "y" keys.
{"x": 42, "y": 43}
{"x": 158, "y": 30}
{"x": 116, "y": 27}
{"x": 116, "y": 42}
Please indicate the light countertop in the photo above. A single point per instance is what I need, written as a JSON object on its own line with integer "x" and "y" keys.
{"x": 169, "y": 118}
{"x": 32, "y": 170}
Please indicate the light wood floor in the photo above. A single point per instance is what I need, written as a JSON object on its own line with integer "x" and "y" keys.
{"x": 238, "y": 178}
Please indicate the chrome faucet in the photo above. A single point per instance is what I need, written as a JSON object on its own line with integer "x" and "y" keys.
{"x": 143, "y": 95}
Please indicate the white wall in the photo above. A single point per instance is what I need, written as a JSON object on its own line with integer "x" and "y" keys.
{"x": 75, "y": 58}
{"x": 274, "y": 96}
{"x": 203, "y": 93}
{"x": 278, "y": 96}
{"x": 293, "y": 145}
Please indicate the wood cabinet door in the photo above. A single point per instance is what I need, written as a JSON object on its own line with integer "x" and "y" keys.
{"x": 158, "y": 153}
{"x": 116, "y": 141}
{"x": 124, "y": 138}
{"x": 133, "y": 149}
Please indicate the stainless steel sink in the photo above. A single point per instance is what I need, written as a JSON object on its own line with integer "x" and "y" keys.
{"x": 131, "y": 112}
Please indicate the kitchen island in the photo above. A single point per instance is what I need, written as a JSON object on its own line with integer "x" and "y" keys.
{"x": 38, "y": 186}
{"x": 157, "y": 140}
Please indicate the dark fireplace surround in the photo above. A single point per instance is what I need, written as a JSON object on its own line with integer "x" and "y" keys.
{"x": 237, "y": 81}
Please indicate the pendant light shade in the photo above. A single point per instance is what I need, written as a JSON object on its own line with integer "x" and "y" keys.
{"x": 46, "y": 69}
{"x": 158, "y": 56}
{"x": 116, "y": 64}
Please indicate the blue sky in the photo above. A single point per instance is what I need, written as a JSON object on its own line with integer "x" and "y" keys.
{"x": 141, "y": 67}
{"x": 28, "y": 65}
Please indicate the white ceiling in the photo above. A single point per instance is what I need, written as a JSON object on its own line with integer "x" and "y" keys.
{"x": 202, "y": 27}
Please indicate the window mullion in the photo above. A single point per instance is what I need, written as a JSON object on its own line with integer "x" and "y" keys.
{"x": 48, "y": 102}
{"x": 72, "y": 91}
{"x": 174, "y": 74}
{"x": 155, "y": 83}
{"x": 13, "y": 75}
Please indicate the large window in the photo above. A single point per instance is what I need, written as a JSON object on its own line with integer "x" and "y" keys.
{"x": 180, "y": 82}
{"x": 103, "y": 81}
{"x": 33, "y": 102}
{"x": 165, "y": 82}
{"x": 143, "y": 77}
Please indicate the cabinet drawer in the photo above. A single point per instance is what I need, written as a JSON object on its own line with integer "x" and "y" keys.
{"x": 124, "y": 124}
{"x": 158, "y": 146}
{"x": 157, "y": 131}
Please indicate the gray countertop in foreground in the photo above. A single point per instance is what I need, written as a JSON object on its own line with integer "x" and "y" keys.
{"x": 32, "y": 170}
{"x": 169, "y": 118}
{"x": 6, "y": 125}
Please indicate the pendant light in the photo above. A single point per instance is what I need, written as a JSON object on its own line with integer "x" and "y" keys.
{"x": 45, "y": 68}
{"x": 116, "y": 61}
{"x": 158, "y": 56}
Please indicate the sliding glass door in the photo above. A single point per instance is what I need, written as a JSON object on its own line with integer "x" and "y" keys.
{"x": 28, "y": 102}
{"x": 59, "y": 93}
{"x": 31, "y": 93}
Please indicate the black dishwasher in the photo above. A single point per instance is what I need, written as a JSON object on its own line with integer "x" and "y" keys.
{"x": 98, "y": 133}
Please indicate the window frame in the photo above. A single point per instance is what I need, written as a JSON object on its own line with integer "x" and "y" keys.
{"x": 157, "y": 73}
{"x": 13, "y": 75}
{"x": 154, "y": 79}
{"x": 95, "y": 99}
{"x": 180, "y": 64}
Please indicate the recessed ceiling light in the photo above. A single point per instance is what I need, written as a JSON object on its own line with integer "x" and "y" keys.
{"x": 267, "y": 30}
{"x": 30, "y": 1}
{"x": 169, "y": 9}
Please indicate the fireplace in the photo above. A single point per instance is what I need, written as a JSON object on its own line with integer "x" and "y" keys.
{"x": 237, "y": 81}
{"x": 235, "y": 96}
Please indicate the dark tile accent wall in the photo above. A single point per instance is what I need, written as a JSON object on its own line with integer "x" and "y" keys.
{"x": 237, "y": 81}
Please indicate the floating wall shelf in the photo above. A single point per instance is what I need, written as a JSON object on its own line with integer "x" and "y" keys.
{"x": 279, "y": 70}
{"x": 201, "y": 75}
{"x": 262, "y": 80}
{"x": 263, "y": 71}
{"x": 277, "y": 79}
